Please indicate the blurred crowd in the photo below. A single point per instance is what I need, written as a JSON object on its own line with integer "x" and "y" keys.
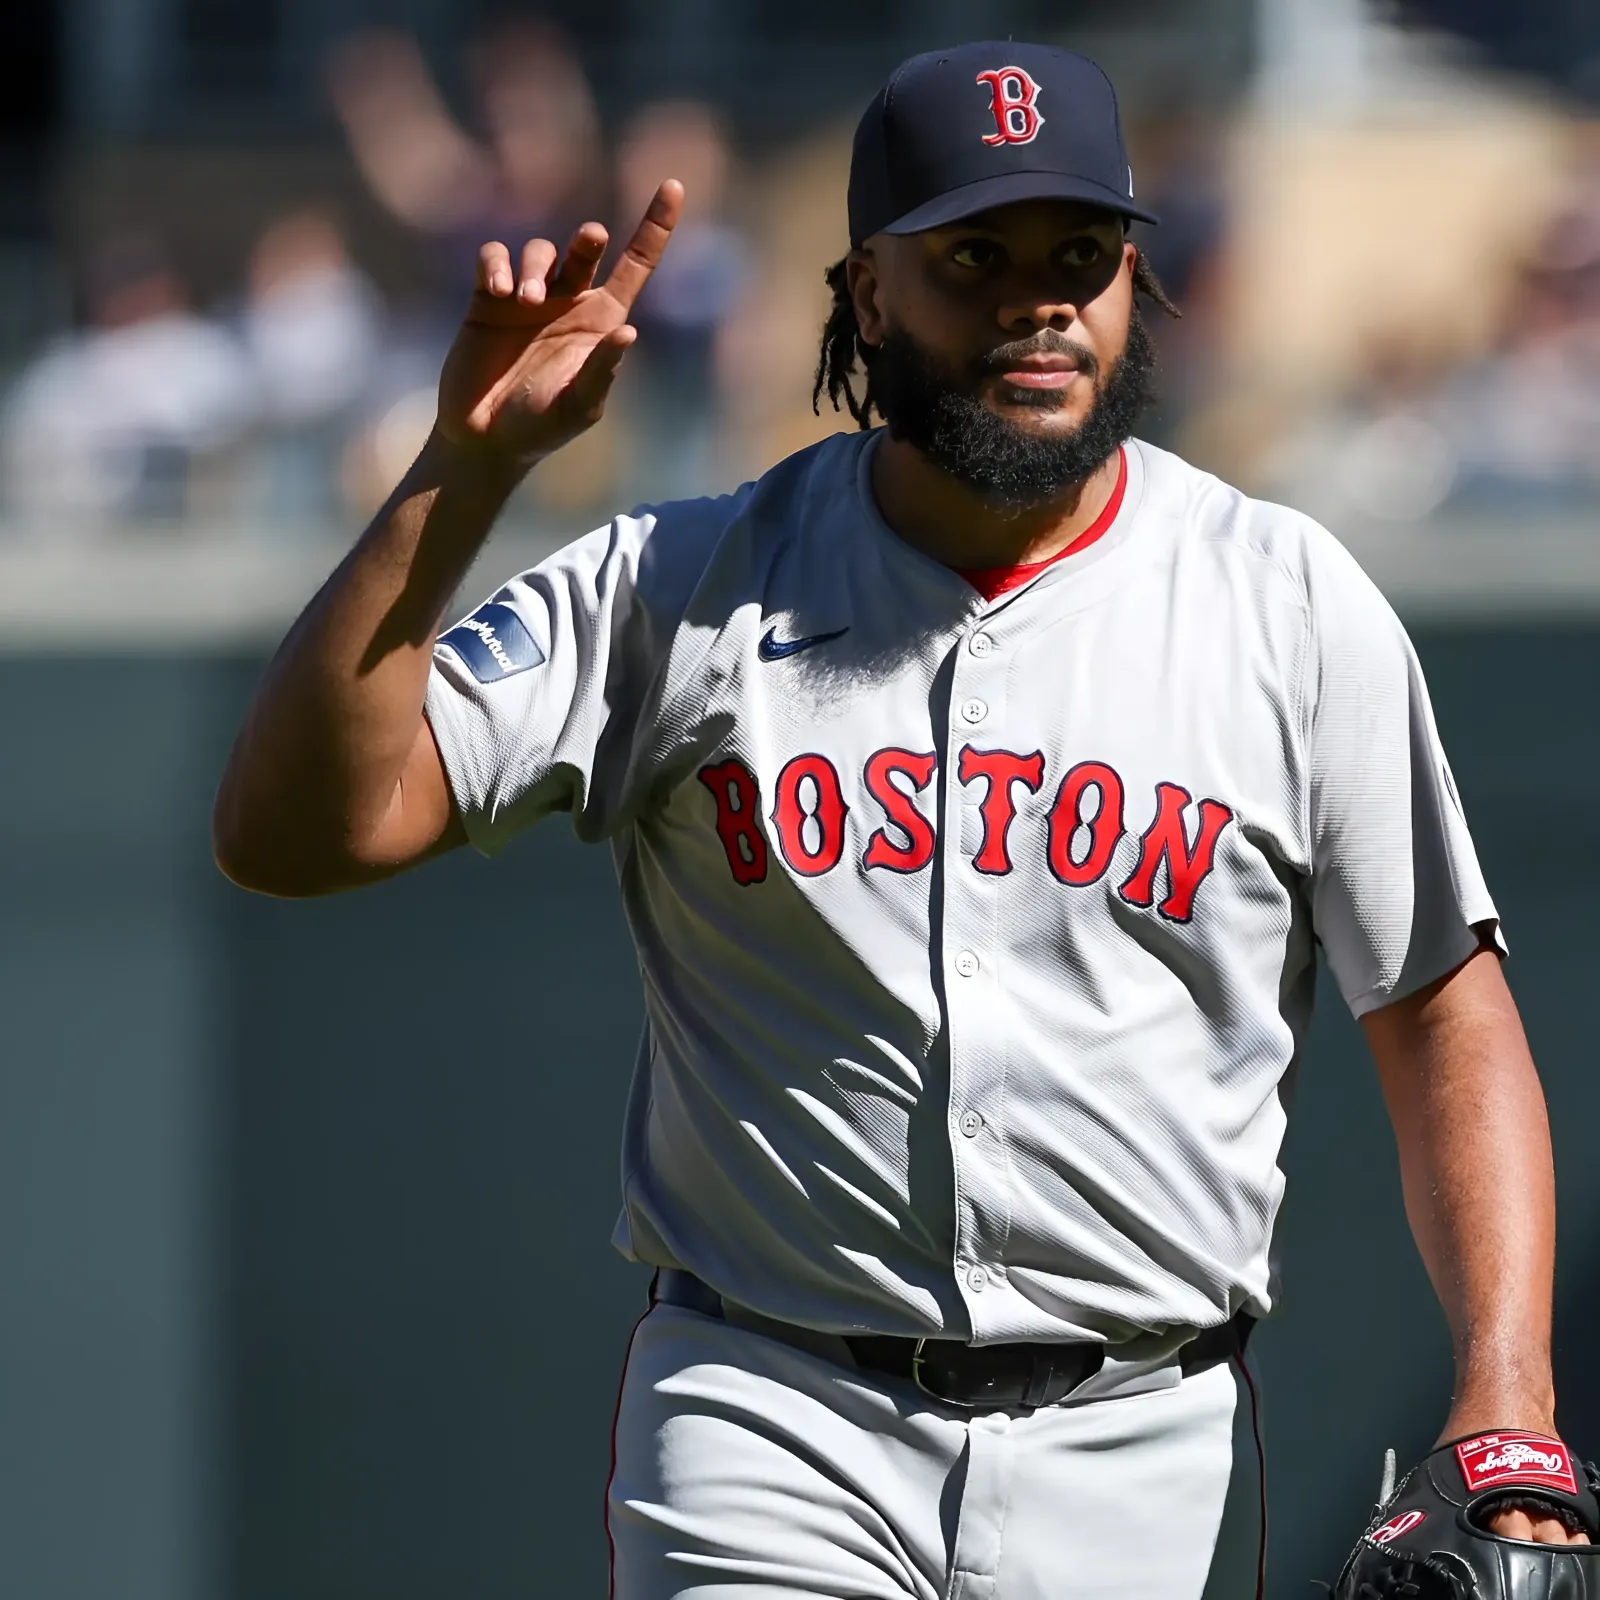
{"x": 297, "y": 401}
{"x": 290, "y": 405}
{"x": 1513, "y": 428}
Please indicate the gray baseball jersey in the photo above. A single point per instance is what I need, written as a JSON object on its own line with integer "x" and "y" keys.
{"x": 977, "y": 936}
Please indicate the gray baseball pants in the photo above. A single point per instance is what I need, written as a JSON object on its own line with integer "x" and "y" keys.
{"x": 749, "y": 1468}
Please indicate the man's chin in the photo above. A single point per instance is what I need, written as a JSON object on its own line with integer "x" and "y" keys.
{"x": 1042, "y": 416}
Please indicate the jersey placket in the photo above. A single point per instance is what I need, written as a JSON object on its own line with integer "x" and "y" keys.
{"x": 973, "y": 901}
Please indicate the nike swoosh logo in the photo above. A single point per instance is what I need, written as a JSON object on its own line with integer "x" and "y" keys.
{"x": 772, "y": 648}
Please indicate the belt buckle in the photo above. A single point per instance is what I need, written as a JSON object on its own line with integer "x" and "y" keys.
{"x": 933, "y": 1394}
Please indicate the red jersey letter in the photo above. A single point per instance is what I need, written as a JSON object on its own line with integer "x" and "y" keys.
{"x": 812, "y": 839}
{"x": 901, "y": 810}
{"x": 1066, "y": 817}
{"x": 1001, "y": 768}
{"x": 733, "y": 787}
{"x": 1186, "y": 868}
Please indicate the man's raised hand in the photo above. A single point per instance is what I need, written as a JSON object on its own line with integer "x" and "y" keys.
{"x": 535, "y": 356}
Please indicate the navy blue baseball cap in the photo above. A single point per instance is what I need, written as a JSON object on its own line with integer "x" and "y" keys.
{"x": 956, "y": 131}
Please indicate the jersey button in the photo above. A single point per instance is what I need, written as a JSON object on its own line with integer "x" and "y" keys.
{"x": 977, "y": 1279}
{"x": 967, "y": 964}
{"x": 974, "y": 711}
{"x": 971, "y": 1124}
{"x": 981, "y": 644}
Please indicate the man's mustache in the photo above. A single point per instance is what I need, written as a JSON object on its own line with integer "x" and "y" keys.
{"x": 1046, "y": 342}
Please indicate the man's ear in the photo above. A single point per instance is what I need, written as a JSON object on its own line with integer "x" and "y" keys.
{"x": 861, "y": 274}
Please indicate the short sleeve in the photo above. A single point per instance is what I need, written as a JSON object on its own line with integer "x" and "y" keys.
{"x": 1397, "y": 895}
{"x": 533, "y": 696}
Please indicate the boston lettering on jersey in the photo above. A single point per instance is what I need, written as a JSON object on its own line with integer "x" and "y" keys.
{"x": 1085, "y": 824}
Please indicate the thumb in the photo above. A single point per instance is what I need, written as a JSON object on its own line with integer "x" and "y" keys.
{"x": 587, "y": 392}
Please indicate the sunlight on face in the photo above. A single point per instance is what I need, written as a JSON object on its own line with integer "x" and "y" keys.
{"x": 1029, "y": 302}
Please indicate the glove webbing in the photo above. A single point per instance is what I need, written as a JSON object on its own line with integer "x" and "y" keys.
{"x": 1437, "y": 1582}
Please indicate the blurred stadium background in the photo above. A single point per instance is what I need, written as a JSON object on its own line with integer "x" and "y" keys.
{"x": 304, "y": 1285}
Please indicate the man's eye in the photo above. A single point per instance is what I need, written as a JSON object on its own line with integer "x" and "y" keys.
{"x": 1084, "y": 252}
{"x": 975, "y": 253}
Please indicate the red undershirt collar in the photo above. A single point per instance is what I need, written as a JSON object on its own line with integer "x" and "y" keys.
{"x": 992, "y": 582}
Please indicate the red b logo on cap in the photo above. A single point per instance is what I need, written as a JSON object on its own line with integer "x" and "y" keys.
{"x": 1012, "y": 94}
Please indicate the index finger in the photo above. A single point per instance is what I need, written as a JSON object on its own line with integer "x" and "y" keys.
{"x": 642, "y": 253}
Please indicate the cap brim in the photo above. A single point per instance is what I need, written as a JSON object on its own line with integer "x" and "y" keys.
{"x": 1006, "y": 188}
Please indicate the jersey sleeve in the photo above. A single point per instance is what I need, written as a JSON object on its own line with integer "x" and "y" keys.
{"x": 534, "y": 696}
{"x": 1397, "y": 895}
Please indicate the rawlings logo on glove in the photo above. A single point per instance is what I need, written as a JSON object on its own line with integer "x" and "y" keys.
{"x": 1495, "y": 1459}
{"x": 1395, "y": 1526}
{"x": 1430, "y": 1540}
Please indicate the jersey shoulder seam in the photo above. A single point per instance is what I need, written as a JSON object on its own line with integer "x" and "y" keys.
{"x": 1238, "y": 522}
{"x": 787, "y": 487}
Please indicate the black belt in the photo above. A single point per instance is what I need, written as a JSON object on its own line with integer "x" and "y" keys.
{"x": 978, "y": 1377}
{"x": 987, "y": 1377}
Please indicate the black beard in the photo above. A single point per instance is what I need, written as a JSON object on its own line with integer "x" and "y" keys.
{"x": 942, "y": 416}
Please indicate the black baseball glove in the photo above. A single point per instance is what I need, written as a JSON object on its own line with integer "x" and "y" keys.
{"x": 1429, "y": 1539}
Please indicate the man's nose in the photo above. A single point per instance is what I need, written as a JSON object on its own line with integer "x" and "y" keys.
{"x": 1027, "y": 314}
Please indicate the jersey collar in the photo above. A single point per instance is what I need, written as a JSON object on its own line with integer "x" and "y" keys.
{"x": 1084, "y": 577}
{"x": 992, "y": 582}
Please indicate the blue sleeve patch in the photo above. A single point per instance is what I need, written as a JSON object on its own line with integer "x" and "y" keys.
{"x": 494, "y": 642}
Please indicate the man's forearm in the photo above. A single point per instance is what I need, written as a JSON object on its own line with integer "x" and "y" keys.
{"x": 1474, "y": 1144}
{"x": 316, "y": 765}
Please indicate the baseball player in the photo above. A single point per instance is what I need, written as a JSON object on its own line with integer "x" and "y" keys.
{"x": 979, "y": 786}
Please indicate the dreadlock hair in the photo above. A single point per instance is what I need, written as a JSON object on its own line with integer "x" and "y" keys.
{"x": 843, "y": 348}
